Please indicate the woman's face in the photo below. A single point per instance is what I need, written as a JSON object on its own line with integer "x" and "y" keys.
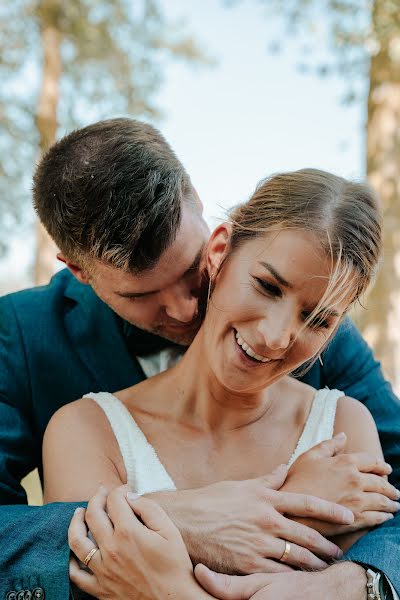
{"x": 264, "y": 292}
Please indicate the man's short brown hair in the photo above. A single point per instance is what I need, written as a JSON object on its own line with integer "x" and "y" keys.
{"x": 112, "y": 191}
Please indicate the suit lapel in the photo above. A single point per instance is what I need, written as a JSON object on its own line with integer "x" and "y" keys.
{"x": 96, "y": 337}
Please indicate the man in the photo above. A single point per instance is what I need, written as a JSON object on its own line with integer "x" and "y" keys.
{"x": 128, "y": 224}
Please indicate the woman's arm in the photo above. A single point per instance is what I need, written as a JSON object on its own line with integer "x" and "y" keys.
{"x": 80, "y": 453}
{"x": 354, "y": 476}
{"x": 356, "y": 421}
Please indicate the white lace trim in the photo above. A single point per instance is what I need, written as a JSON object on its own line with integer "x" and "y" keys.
{"x": 320, "y": 422}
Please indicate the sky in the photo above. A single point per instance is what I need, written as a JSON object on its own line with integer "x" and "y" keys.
{"x": 251, "y": 113}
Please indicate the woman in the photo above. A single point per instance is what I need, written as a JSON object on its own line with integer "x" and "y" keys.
{"x": 282, "y": 273}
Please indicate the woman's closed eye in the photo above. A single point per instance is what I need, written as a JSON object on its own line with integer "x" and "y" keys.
{"x": 317, "y": 322}
{"x": 270, "y": 289}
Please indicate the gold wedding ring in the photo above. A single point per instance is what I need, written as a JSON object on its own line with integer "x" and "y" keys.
{"x": 90, "y": 556}
{"x": 286, "y": 552}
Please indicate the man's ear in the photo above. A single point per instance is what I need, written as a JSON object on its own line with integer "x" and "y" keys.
{"x": 218, "y": 247}
{"x": 75, "y": 269}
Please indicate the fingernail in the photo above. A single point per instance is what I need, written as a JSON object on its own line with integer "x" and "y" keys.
{"x": 339, "y": 554}
{"x": 389, "y": 467}
{"x": 132, "y": 496}
{"x": 340, "y": 435}
{"x": 398, "y": 494}
{"x": 78, "y": 510}
{"x": 348, "y": 515}
{"x": 388, "y": 517}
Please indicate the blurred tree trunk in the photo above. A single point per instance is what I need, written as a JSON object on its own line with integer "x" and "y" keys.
{"x": 46, "y": 119}
{"x": 381, "y": 320}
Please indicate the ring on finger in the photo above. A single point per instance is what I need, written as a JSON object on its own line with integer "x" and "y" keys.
{"x": 286, "y": 552}
{"x": 89, "y": 557}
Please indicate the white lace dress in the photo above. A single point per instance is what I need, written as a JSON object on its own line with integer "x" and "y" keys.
{"x": 145, "y": 471}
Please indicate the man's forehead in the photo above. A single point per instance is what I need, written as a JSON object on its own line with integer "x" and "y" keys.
{"x": 183, "y": 254}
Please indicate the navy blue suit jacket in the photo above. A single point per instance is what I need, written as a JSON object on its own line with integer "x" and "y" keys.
{"x": 59, "y": 342}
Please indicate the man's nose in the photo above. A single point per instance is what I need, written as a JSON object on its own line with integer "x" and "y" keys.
{"x": 180, "y": 304}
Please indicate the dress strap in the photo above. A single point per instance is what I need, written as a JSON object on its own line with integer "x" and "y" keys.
{"x": 320, "y": 422}
{"x": 145, "y": 472}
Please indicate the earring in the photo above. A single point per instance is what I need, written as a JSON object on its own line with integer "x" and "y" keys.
{"x": 209, "y": 289}
{"x": 320, "y": 360}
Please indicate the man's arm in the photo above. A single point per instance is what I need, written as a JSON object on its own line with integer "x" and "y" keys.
{"x": 346, "y": 581}
{"x": 19, "y": 450}
{"x": 34, "y": 547}
{"x": 349, "y": 365}
{"x": 381, "y": 550}
{"x": 34, "y": 551}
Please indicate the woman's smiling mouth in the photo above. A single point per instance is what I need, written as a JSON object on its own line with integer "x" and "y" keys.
{"x": 249, "y": 351}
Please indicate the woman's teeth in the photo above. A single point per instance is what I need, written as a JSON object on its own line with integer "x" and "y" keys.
{"x": 249, "y": 351}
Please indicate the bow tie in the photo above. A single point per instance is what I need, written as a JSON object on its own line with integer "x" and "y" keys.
{"x": 142, "y": 342}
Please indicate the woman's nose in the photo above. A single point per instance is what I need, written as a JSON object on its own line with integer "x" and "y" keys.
{"x": 277, "y": 331}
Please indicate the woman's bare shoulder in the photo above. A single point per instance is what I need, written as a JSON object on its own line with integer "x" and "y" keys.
{"x": 80, "y": 451}
{"x": 355, "y": 420}
{"x": 84, "y": 412}
{"x": 349, "y": 409}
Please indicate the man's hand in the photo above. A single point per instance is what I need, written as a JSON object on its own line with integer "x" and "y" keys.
{"x": 141, "y": 553}
{"x": 240, "y": 526}
{"x": 357, "y": 481}
{"x": 344, "y": 581}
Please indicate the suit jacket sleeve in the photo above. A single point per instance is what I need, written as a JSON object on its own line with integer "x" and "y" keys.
{"x": 34, "y": 549}
{"x": 18, "y": 448}
{"x": 33, "y": 540}
{"x": 349, "y": 365}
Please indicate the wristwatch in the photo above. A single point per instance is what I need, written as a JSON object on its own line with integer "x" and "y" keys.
{"x": 378, "y": 586}
{"x": 373, "y": 585}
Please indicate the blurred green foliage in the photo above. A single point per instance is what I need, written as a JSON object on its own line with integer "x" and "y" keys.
{"x": 113, "y": 54}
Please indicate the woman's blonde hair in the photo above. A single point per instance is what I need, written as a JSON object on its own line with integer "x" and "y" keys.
{"x": 343, "y": 215}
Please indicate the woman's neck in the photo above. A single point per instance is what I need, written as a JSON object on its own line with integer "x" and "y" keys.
{"x": 207, "y": 403}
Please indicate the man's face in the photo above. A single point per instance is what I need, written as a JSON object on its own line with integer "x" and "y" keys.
{"x": 164, "y": 299}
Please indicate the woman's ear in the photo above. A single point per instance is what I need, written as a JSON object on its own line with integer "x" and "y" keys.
{"x": 218, "y": 247}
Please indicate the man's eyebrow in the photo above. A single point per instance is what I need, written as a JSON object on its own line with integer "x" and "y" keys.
{"x": 196, "y": 261}
{"x": 192, "y": 267}
{"x": 275, "y": 274}
{"x": 136, "y": 294}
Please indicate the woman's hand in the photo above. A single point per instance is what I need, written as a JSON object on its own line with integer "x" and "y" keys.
{"x": 357, "y": 481}
{"x": 141, "y": 553}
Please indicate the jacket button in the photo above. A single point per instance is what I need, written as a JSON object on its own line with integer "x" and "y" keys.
{"x": 38, "y": 594}
{"x": 24, "y": 595}
{"x": 11, "y": 595}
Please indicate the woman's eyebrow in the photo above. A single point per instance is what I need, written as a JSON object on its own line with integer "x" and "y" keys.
{"x": 275, "y": 274}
